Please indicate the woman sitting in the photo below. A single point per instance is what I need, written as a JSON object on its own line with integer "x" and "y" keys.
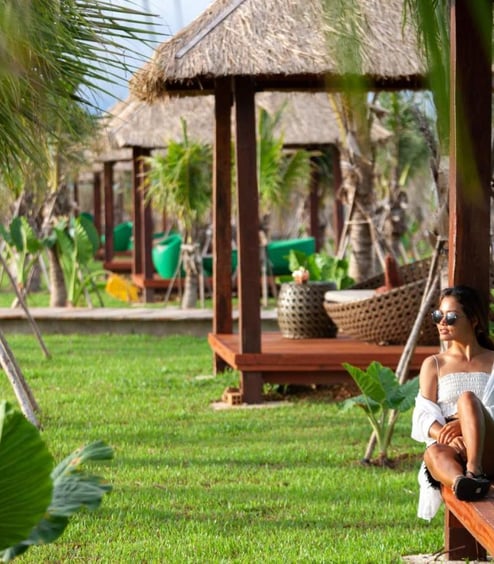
{"x": 454, "y": 409}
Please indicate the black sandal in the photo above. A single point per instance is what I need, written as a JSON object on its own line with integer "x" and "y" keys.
{"x": 471, "y": 487}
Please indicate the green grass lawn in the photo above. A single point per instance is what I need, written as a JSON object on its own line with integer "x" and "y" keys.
{"x": 192, "y": 484}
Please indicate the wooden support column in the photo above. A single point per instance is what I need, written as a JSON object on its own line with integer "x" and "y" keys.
{"x": 137, "y": 268}
{"x": 315, "y": 178}
{"x": 222, "y": 212}
{"x": 470, "y": 149}
{"x": 248, "y": 234}
{"x": 458, "y": 542}
{"x": 76, "y": 197}
{"x": 97, "y": 201}
{"x": 108, "y": 198}
{"x": 142, "y": 263}
{"x": 338, "y": 216}
{"x": 146, "y": 229}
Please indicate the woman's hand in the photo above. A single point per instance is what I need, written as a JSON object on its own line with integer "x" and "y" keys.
{"x": 459, "y": 446}
{"x": 449, "y": 432}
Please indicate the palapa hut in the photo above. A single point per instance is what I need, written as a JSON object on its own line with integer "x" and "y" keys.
{"x": 307, "y": 121}
{"x": 238, "y": 47}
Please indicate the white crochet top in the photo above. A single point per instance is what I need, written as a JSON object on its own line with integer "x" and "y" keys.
{"x": 451, "y": 386}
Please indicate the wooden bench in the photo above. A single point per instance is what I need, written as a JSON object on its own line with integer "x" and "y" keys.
{"x": 468, "y": 526}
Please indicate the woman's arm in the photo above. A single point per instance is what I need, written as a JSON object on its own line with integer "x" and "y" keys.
{"x": 427, "y": 417}
{"x": 428, "y": 379}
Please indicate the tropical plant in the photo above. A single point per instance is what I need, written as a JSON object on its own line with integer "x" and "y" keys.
{"x": 431, "y": 22}
{"x": 72, "y": 489}
{"x": 279, "y": 171}
{"x": 381, "y": 394}
{"x": 55, "y": 56}
{"x": 320, "y": 267}
{"x": 23, "y": 247}
{"x": 76, "y": 241}
{"x": 406, "y": 156}
{"x": 180, "y": 182}
{"x": 25, "y": 483}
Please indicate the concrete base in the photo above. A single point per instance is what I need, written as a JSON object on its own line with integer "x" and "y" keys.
{"x": 121, "y": 321}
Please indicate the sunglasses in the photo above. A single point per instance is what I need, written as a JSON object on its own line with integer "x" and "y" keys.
{"x": 451, "y": 317}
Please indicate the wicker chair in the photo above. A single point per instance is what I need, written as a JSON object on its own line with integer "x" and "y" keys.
{"x": 388, "y": 317}
{"x": 410, "y": 272}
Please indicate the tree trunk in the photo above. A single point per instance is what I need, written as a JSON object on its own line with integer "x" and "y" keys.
{"x": 362, "y": 263}
{"x": 191, "y": 263}
{"x": 357, "y": 188}
{"x": 58, "y": 291}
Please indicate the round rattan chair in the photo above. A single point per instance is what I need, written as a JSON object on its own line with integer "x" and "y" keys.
{"x": 385, "y": 318}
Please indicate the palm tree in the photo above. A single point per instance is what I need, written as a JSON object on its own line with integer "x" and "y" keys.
{"x": 180, "y": 182}
{"x": 279, "y": 172}
{"x": 53, "y": 55}
{"x": 404, "y": 157}
{"x": 431, "y": 21}
{"x": 357, "y": 190}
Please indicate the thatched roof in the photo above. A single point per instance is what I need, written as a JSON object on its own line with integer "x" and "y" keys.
{"x": 307, "y": 120}
{"x": 285, "y": 44}
{"x": 153, "y": 125}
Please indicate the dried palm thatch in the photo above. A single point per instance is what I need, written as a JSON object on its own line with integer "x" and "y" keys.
{"x": 286, "y": 44}
{"x": 154, "y": 125}
{"x": 307, "y": 120}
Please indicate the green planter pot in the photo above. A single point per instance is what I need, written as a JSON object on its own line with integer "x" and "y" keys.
{"x": 301, "y": 313}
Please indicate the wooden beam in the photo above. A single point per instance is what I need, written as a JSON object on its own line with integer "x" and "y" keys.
{"x": 302, "y": 83}
{"x": 248, "y": 232}
{"x": 222, "y": 215}
{"x": 470, "y": 148}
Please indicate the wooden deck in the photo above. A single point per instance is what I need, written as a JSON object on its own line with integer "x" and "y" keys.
{"x": 304, "y": 361}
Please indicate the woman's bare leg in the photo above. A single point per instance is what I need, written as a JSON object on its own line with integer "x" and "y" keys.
{"x": 444, "y": 463}
{"x": 477, "y": 428}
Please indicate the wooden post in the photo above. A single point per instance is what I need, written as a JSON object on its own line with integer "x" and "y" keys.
{"x": 137, "y": 268}
{"x": 315, "y": 178}
{"x": 470, "y": 149}
{"x": 458, "y": 542}
{"x": 248, "y": 233}
{"x": 108, "y": 191}
{"x": 142, "y": 262}
{"x": 222, "y": 205}
{"x": 97, "y": 201}
{"x": 146, "y": 228}
{"x": 76, "y": 197}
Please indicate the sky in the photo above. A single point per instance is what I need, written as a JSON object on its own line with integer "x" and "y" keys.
{"x": 172, "y": 15}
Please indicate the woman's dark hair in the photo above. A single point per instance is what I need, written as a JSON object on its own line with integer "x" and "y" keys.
{"x": 470, "y": 302}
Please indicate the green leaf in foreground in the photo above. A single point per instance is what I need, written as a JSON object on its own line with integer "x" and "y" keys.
{"x": 25, "y": 481}
{"x": 73, "y": 489}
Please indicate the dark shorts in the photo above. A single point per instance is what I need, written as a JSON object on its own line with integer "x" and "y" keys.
{"x": 432, "y": 481}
